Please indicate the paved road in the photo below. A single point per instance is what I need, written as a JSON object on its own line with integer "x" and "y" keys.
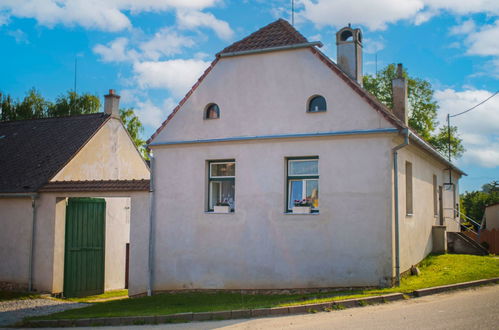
{"x": 468, "y": 309}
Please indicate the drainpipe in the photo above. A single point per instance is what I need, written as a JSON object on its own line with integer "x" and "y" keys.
{"x": 32, "y": 243}
{"x": 396, "y": 193}
{"x": 151, "y": 231}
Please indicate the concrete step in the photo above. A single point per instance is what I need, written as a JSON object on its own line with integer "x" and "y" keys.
{"x": 461, "y": 244}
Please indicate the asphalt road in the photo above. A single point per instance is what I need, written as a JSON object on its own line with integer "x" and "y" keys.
{"x": 466, "y": 309}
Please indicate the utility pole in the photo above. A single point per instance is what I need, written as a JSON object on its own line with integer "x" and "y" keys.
{"x": 293, "y": 12}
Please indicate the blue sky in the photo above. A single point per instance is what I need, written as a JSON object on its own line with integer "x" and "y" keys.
{"x": 152, "y": 51}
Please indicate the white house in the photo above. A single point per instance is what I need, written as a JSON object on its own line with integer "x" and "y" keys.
{"x": 72, "y": 190}
{"x": 271, "y": 121}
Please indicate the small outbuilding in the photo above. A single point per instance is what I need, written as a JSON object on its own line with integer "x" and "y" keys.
{"x": 71, "y": 190}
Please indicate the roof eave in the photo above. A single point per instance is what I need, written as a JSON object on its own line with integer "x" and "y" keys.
{"x": 271, "y": 49}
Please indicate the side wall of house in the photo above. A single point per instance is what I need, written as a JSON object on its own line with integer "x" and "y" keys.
{"x": 259, "y": 245}
{"x": 109, "y": 155}
{"x": 16, "y": 216}
{"x": 416, "y": 228}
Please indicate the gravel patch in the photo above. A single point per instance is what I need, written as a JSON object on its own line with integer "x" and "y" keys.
{"x": 13, "y": 311}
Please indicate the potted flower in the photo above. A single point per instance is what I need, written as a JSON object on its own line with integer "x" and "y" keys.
{"x": 302, "y": 206}
{"x": 221, "y": 207}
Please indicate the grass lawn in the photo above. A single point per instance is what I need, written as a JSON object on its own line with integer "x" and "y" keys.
{"x": 109, "y": 295}
{"x": 435, "y": 270}
{"x": 9, "y": 295}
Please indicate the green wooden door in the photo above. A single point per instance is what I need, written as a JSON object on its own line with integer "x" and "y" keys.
{"x": 84, "y": 252}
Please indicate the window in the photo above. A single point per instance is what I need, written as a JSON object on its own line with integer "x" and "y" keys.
{"x": 303, "y": 182}
{"x": 212, "y": 111}
{"x": 221, "y": 183}
{"x": 435, "y": 195}
{"x": 317, "y": 104}
{"x": 408, "y": 189}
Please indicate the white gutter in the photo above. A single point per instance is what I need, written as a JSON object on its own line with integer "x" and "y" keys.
{"x": 396, "y": 200}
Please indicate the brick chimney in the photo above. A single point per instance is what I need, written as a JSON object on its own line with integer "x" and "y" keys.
{"x": 112, "y": 104}
{"x": 399, "y": 95}
{"x": 349, "y": 52}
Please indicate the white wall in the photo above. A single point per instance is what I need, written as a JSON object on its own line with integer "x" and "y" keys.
{"x": 15, "y": 237}
{"x": 416, "y": 229}
{"x": 259, "y": 246}
{"x": 267, "y": 94}
{"x": 109, "y": 155}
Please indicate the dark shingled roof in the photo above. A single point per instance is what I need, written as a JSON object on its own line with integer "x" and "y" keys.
{"x": 277, "y": 34}
{"x": 33, "y": 151}
{"x": 97, "y": 185}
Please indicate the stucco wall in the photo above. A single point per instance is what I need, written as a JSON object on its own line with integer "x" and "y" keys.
{"x": 492, "y": 216}
{"x": 268, "y": 94}
{"x": 416, "y": 229}
{"x": 15, "y": 236}
{"x": 259, "y": 246}
{"x": 109, "y": 155}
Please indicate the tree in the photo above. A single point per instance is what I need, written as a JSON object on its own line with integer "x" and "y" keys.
{"x": 422, "y": 107}
{"x": 134, "y": 128}
{"x": 73, "y": 104}
{"x": 474, "y": 202}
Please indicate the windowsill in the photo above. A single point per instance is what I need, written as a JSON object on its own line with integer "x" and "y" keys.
{"x": 211, "y": 212}
{"x": 409, "y": 214}
{"x": 311, "y": 213}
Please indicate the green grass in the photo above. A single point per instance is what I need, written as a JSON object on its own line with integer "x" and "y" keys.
{"x": 9, "y": 295}
{"x": 109, "y": 295}
{"x": 435, "y": 270}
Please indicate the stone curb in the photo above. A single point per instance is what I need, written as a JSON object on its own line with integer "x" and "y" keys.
{"x": 443, "y": 288}
{"x": 249, "y": 313}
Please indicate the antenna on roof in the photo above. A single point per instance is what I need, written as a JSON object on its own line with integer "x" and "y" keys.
{"x": 76, "y": 66}
{"x": 293, "y": 12}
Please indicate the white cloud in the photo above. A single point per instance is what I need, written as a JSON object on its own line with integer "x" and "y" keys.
{"x": 194, "y": 19}
{"x": 478, "y": 128}
{"x": 116, "y": 51}
{"x": 373, "y": 46}
{"x": 176, "y": 75}
{"x": 152, "y": 115}
{"x": 484, "y": 41}
{"x": 376, "y": 15}
{"x": 465, "y": 28}
{"x": 92, "y": 14}
{"x": 165, "y": 42}
{"x": 19, "y": 36}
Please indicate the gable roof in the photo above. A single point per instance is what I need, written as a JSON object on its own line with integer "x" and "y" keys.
{"x": 282, "y": 35}
{"x": 33, "y": 151}
{"x": 277, "y": 34}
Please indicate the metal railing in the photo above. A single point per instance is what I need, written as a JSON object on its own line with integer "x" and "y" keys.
{"x": 474, "y": 223}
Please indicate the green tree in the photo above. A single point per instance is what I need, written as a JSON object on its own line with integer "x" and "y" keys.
{"x": 134, "y": 128}
{"x": 474, "y": 202}
{"x": 422, "y": 107}
{"x": 74, "y": 104}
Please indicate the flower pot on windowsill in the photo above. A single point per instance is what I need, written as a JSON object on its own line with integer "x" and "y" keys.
{"x": 221, "y": 209}
{"x": 301, "y": 209}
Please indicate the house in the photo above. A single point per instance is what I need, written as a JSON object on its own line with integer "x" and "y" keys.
{"x": 69, "y": 189}
{"x": 273, "y": 120}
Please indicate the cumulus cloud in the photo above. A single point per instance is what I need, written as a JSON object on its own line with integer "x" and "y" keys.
{"x": 19, "y": 36}
{"x": 194, "y": 19}
{"x": 464, "y": 28}
{"x": 151, "y": 114}
{"x": 92, "y": 14}
{"x": 115, "y": 51}
{"x": 176, "y": 75}
{"x": 165, "y": 42}
{"x": 478, "y": 128}
{"x": 376, "y": 15}
{"x": 484, "y": 41}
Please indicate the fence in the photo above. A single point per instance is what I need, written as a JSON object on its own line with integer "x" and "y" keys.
{"x": 489, "y": 236}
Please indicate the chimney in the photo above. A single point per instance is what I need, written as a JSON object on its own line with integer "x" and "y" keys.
{"x": 112, "y": 104}
{"x": 349, "y": 52}
{"x": 399, "y": 95}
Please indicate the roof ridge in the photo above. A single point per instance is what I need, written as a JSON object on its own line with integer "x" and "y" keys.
{"x": 53, "y": 118}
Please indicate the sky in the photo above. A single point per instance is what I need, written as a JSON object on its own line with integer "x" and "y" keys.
{"x": 152, "y": 51}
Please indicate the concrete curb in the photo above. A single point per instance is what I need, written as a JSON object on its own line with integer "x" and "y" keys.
{"x": 249, "y": 313}
{"x": 443, "y": 288}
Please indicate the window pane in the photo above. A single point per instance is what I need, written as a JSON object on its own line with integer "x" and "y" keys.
{"x": 222, "y": 169}
{"x": 303, "y": 167}
{"x": 222, "y": 192}
{"x": 295, "y": 192}
{"x": 317, "y": 104}
{"x": 313, "y": 192}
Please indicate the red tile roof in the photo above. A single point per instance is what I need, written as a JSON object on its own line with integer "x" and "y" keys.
{"x": 277, "y": 34}
{"x": 98, "y": 185}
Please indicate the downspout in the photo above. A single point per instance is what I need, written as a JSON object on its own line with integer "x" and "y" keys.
{"x": 32, "y": 244}
{"x": 151, "y": 231}
{"x": 396, "y": 193}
